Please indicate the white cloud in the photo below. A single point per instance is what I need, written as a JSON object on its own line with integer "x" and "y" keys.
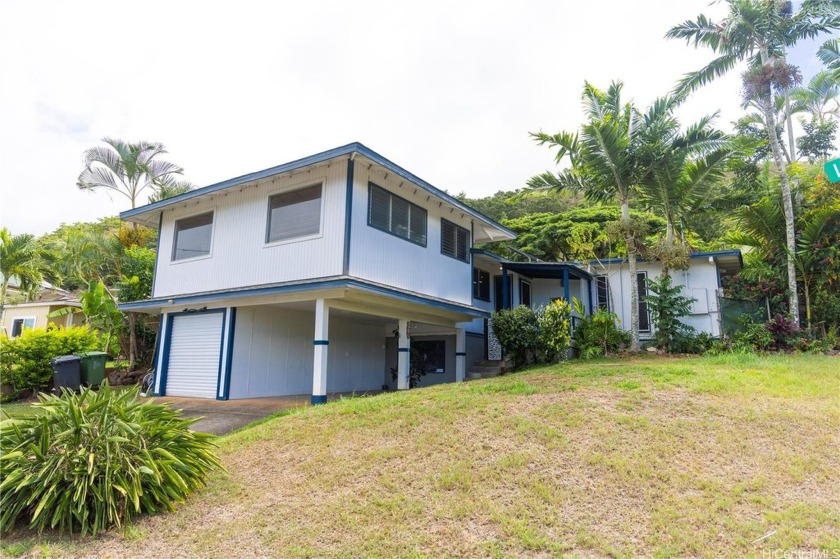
{"x": 448, "y": 90}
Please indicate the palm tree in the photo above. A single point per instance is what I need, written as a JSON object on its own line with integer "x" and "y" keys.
{"x": 759, "y": 32}
{"x": 683, "y": 166}
{"x": 127, "y": 168}
{"x": 604, "y": 165}
{"x": 829, "y": 53}
{"x": 20, "y": 259}
{"x": 820, "y": 98}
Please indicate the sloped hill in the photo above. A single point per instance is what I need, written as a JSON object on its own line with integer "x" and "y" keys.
{"x": 726, "y": 456}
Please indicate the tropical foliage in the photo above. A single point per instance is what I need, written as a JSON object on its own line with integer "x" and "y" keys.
{"x": 98, "y": 459}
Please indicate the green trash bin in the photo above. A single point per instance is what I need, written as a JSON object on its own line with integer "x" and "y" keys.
{"x": 93, "y": 367}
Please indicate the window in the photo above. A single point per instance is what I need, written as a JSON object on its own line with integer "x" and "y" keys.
{"x": 644, "y": 313}
{"x": 19, "y": 325}
{"x": 603, "y": 285}
{"x": 481, "y": 284}
{"x": 294, "y": 214}
{"x": 395, "y": 215}
{"x": 429, "y": 355}
{"x": 454, "y": 240}
{"x": 192, "y": 236}
{"x": 524, "y": 293}
{"x": 497, "y": 288}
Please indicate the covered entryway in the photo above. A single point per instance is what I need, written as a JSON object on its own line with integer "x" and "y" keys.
{"x": 194, "y": 354}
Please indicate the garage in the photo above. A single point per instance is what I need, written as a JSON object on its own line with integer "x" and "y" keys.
{"x": 194, "y": 354}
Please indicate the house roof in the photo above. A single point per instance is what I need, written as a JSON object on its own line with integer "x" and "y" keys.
{"x": 730, "y": 258}
{"x": 148, "y": 214}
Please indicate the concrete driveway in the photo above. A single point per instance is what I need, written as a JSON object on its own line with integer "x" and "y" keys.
{"x": 222, "y": 417}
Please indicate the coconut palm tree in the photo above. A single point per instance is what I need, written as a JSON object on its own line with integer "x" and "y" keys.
{"x": 760, "y": 32}
{"x": 127, "y": 168}
{"x": 604, "y": 165}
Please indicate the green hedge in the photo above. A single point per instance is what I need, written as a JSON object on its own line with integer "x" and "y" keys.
{"x": 25, "y": 360}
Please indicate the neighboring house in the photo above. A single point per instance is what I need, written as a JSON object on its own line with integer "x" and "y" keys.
{"x": 35, "y": 313}
{"x": 321, "y": 274}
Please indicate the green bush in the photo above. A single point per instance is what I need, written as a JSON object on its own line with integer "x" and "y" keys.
{"x": 96, "y": 459}
{"x": 529, "y": 336}
{"x": 598, "y": 334}
{"x": 667, "y": 305}
{"x": 555, "y": 331}
{"x": 25, "y": 360}
{"x": 518, "y": 332}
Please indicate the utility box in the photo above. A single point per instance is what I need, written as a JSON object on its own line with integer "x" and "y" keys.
{"x": 66, "y": 372}
{"x": 93, "y": 367}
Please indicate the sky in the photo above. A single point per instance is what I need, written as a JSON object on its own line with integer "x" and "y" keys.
{"x": 448, "y": 90}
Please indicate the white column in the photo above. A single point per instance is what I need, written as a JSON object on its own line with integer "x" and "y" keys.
{"x": 321, "y": 344}
{"x": 403, "y": 357}
{"x": 460, "y": 354}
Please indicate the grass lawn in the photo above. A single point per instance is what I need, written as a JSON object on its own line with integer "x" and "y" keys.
{"x": 737, "y": 455}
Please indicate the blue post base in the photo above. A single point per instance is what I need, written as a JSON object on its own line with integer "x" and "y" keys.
{"x": 316, "y": 400}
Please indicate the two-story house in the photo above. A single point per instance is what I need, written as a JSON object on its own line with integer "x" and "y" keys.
{"x": 321, "y": 274}
{"x": 312, "y": 277}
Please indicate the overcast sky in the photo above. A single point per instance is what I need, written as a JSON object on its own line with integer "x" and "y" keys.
{"x": 448, "y": 90}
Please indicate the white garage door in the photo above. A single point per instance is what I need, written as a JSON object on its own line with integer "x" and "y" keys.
{"x": 194, "y": 352}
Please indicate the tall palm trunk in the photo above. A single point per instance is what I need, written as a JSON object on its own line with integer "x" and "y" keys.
{"x": 132, "y": 341}
{"x": 787, "y": 199}
{"x": 630, "y": 241}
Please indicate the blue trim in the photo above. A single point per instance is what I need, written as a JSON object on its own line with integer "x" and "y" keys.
{"x": 221, "y": 353}
{"x": 456, "y": 226}
{"x": 168, "y": 346}
{"x": 157, "y": 252}
{"x": 487, "y": 253}
{"x": 158, "y": 346}
{"x": 424, "y": 244}
{"x": 530, "y": 295}
{"x": 589, "y": 290}
{"x": 297, "y": 288}
{"x": 348, "y": 215}
{"x": 460, "y": 354}
{"x": 403, "y": 349}
{"x": 506, "y": 302}
{"x": 226, "y": 393}
{"x": 354, "y": 147}
{"x": 320, "y": 342}
{"x": 705, "y": 254}
{"x": 566, "y": 285}
{"x": 318, "y": 400}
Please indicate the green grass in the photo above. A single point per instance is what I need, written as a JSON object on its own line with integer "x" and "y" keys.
{"x": 648, "y": 456}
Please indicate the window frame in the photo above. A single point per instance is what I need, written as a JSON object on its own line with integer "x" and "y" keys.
{"x": 319, "y": 234}
{"x": 522, "y": 284}
{"x": 456, "y": 229}
{"x": 607, "y": 304}
{"x": 175, "y": 232}
{"x": 23, "y": 327}
{"x": 371, "y": 187}
{"x": 477, "y": 284}
{"x": 641, "y": 302}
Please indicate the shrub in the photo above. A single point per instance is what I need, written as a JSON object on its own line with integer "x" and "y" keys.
{"x": 96, "y": 459}
{"x": 25, "y": 362}
{"x": 753, "y": 337}
{"x": 518, "y": 332}
{"x": 598, "y": 334}
{"x": 667, "y": 306}
{"x": 784, "y": 332}
{"x": 555, "y": 332}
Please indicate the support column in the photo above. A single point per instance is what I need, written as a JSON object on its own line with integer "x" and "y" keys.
{"x": 460, "y": 354}
{"x": 506, "y": 302}
{"x": 321, "y": 343}
{"x": 403, "y": 357}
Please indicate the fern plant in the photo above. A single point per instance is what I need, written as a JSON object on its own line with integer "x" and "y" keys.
{"x": 95, "y": 460}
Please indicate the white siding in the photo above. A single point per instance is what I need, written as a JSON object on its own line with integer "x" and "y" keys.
{"x": 699, "y": 281}
{"x": 273, "y": 354}
{"x": 194, "y": 353}
{"x": 239, "y": 254}
{"x": 384, "y": 258}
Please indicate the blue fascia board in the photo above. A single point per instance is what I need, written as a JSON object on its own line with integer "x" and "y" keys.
{"x": 704, "y": 254}
{"x": 487, "y": 253}
{"x": 342, "y": 151}
{"x": 200, "y": 298}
